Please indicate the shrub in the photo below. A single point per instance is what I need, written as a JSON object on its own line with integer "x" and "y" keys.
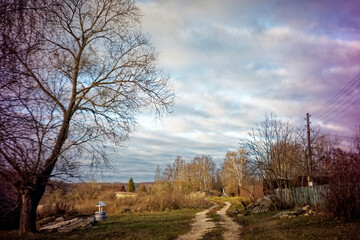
{"x": 83, "y": 197}
{"x": 344, "y": 196}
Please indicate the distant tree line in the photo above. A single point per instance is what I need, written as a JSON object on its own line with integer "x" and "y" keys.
{"x": 277, "y": 154}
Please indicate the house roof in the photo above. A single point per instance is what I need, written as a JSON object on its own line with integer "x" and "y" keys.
{"x": 113, "y": 188}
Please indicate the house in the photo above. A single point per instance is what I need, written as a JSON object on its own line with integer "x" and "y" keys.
{"x": 125, "y": 194}
{"x": 112, "y": 188}
{"x": 119, "y": 190}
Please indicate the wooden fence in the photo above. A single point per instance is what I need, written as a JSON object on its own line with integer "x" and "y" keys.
{"x": 314, "y": 195}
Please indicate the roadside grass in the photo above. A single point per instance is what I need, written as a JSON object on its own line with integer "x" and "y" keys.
{"x": 215, "y": 234}
{"x": 235, "y": 202}
{"x": 212, "y": 213}
{"x": 262, "y": 226}
{"x": 149, "y": 225}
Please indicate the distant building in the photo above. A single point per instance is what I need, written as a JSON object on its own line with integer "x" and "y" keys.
{"x": 125, "y": 194}
{"x": 119, "y": 190}
{"x": 113, "y": 188}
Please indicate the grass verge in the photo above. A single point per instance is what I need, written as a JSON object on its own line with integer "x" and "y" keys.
{"x": 262, "y": 226}
{"x": 150, "y": 225}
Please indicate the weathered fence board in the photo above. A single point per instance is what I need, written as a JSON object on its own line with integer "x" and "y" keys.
{"x": 313, "y": 195}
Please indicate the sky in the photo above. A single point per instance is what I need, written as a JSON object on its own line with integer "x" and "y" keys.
{"x": 233, "y": 61}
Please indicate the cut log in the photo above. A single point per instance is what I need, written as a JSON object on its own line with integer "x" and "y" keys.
{"x": 53, "y": 227}
{"x": 72, "y": 226}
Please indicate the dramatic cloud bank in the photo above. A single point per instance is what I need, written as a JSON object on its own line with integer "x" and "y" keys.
{"x": 233, "y": 61}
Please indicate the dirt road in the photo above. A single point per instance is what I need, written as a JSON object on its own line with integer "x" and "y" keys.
{"x": 232, "y": 231}
{"x": 203, "y": 225}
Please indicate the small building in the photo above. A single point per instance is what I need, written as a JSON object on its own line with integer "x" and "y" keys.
{"x": 125, "y": 194}
{"x": 112, "y": 188}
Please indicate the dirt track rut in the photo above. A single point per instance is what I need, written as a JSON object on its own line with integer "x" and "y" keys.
{"x": 203, "y": 225}
{"x": 232, "y": 231}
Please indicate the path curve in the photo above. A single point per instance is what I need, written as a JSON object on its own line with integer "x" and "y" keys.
{"x": 232, "y": 231}
{"x": 201, "y": 226}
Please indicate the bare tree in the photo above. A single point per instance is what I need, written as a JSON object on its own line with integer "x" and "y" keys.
{"x": 198, "y": 175}
{"x": 234, "y": 168}
{"x": 271, "y": 149}
{"x": 73, "y": 75}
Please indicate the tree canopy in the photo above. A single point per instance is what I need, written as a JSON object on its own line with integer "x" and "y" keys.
{"x": 73, "y": 75}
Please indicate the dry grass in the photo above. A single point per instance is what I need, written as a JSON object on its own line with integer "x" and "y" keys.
{"x": 157, "y": 225}
{"x": 263, "y": 226}
{"x": 82, "y": 199}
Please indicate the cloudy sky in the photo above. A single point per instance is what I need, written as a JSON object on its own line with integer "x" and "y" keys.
{"x": 232, "y": 61}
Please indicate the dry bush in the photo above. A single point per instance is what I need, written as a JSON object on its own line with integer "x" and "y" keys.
{"x": 83, "y": 197}
{"x": 157, "y": 201}
{"x": 58, "y": 205}
{"x": 344, "y": 196}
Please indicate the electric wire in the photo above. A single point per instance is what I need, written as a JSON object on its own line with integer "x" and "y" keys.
{"x": 338, "y": 95}
{"x": 330, "y": 110}
{"x": 341, "y": 102}
{"x": 340, "y": 136}
{"x": 358, "y": 100}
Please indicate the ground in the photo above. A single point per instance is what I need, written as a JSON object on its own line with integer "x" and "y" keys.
{"x": 263, "y": 226}
{"x": 209, "y": 224}
{"x": 204, "y": 225}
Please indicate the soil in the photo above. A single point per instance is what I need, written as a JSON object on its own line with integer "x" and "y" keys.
{"x": 232, "y": 231}
{"x": 202, "y": 225}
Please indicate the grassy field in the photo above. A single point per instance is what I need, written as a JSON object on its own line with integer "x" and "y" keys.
{"x": 262, "y": 226}
{"x": 172, "y": 223}
{"x": 150, "y": 225}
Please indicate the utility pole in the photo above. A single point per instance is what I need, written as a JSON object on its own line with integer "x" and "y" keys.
{"x": 310, "y": 174}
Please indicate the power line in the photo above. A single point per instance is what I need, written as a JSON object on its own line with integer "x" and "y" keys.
{"x": 342, "y": 111}
{"x": 337, "y": 96}
{"x": 340, "y": 104}
{"x": 334, "y": 135}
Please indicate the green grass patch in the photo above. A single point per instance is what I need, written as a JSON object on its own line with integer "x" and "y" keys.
{"x": 262, "y": 226}
{"x": 235, "y": 202}
{"x": 215, "y": 234}
{"x": 212, "y": 214}
{"x": 232, "y": 200}
{"x": 150, "y": 225}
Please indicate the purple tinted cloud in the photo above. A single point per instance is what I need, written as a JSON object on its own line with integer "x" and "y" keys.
{"x": 232, "y": 61}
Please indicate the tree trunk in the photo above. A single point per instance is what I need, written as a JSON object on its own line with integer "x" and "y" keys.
{"x": 30, "y": 199}
{"x": 25, "y": 212}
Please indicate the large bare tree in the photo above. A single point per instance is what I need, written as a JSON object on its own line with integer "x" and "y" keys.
{"x": 73, "y": 75}
{"x": 271, "y": 149}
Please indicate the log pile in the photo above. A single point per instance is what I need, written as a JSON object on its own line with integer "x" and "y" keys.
{"x": 304, "y": 211}
{"x": 60, "y": 225}
{"x": 263, "y": 204}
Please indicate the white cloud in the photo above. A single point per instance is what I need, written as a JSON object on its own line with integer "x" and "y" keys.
{"x": 231, "y": 62}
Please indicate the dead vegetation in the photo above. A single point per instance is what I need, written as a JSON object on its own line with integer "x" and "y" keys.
{"x": 82, "y": 198}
